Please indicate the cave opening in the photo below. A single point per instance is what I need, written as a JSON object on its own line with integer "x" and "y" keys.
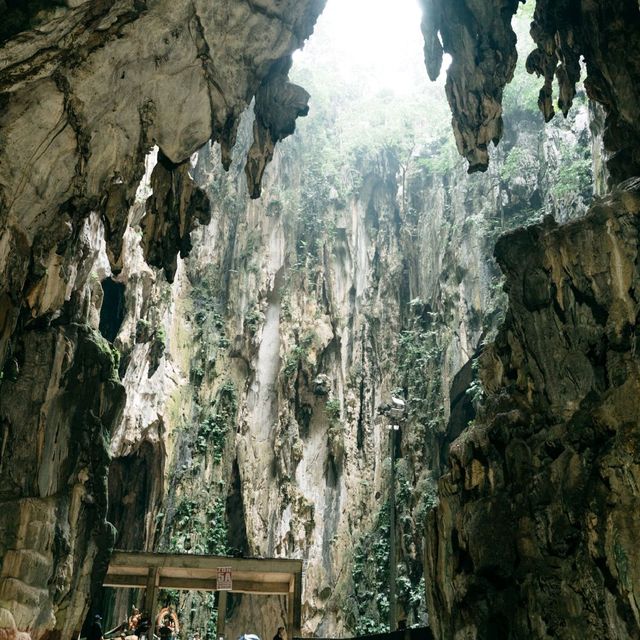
{"x": 134, "y": 486}
{"x": 367, "y": 270}
{"x": 113, "y": 308}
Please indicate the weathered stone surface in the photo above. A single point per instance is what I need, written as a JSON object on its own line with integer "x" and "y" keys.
{"x": 607, "y": 36}
{"x": 482, "y": 44}
{"x": 534, "y": 535}
{"x": 56, "y": 416}
{"x": 309, "y": 343}
{"x": 174, "y": 208}
{"x": 86, "y": 94}
{"x": 278, "y": 104}
{"x": 83, "y": 98}
{"x": 479, "y": 38}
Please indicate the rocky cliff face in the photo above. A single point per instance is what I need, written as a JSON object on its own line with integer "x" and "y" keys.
{"x": 534, "y": 536}
{"x": 75, "y": 87}
{"x": 57, "y": 414}
{"x": 85, "y": 93}
{"x": 527, "y": 540}
{"x": 90, "y": 89}
{"x": 256, "y": 380}
{"x": 481, "y": 41}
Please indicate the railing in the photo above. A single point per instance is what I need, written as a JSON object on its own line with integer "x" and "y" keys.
{"x": 420, "y": 633}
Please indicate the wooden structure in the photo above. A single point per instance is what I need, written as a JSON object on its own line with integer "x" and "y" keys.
{"x": 258, "y": 576}
{"x": 417, "y": 633}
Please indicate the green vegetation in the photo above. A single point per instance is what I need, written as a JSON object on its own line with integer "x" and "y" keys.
{"x": 209, "y": 323}
{"x": 143, "y": 330}
{"x": 573, "y": 176}
{"x": 109, "y": 360}
{"x": 370, "y": 574}
{"x": 427, "y": 491}
{"x": 215, "y": 536}
{"x": 519, "y": 162}
{"x": 198, "y": 525}
{"x": 333, "y": 409}
{"x": 336, "y": 430}
{"x": 369, "y": 608}
{"x": 161, "y": 336}
{"x": 298, "y": 356}
{"x": 253, "y": 320}
{"x": 218, "y": 421}
{"x": 205, "y": 294}
{"x": 441, "y": 158}
{"x": 420, "y": 353}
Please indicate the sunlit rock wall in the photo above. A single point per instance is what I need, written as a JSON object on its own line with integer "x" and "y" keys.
{"x": 218, "y": 441}
{"x": 257, "y": 381}
{"x": 86, "y": 92}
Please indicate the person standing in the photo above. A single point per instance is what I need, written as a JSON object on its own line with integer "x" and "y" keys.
{"x": 281, "y": 634}
{"x": 134, "y": 620}
{"x": 95, "y": 631}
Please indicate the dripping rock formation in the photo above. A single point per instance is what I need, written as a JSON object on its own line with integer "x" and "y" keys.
{"x": 86, "y": 90}
{"x": 279, "y": 359}
{"x": 91, "y": 88}
{"x": 482, "y": 44}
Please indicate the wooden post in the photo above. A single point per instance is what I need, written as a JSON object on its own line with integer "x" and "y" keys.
{"x": 222, "y": 614}
{"x": 297, "y": 605}
{"x": 290, "y": 607}
{"x": 151, "y": 597}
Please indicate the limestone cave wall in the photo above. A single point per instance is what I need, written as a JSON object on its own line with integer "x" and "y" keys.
{"x": 529, "y": 539}
{"x": 87, "y": 89}
{"x": 260, "y": 376}
{"x": 249, "y": 381}
{"x": 535, "y": 532}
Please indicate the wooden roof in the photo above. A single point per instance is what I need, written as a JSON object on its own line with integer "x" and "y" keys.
{"x": 265, "y": 576}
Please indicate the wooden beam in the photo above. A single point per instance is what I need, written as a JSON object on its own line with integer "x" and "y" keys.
{"x": 193, "y": 561}
{"x": 239, "y": 586}
{"x": 125, "y": 581}
{"x": 297, "y": 605}
{"x": 290, "y": 609}
{"x": 196, "y": 584}
{"x": 222, "y": 614}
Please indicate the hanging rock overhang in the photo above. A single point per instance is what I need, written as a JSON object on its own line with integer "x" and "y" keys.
{"x": 605, "y": 34}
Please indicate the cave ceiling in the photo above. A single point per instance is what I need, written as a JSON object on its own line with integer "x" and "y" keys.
{"x": 602, "y": 37}
{"x": 88, "y": 88}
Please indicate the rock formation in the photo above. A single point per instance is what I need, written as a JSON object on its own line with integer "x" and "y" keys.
{"x": 284, "y": 334}
{"x": 85, "y": 93}
{"x": 57, "y": 412}
{"x": 529, "y": 539}
{"x": 535, "y": 532}
{"x": 256, "y": 379}
{"x": 91, "y": 88}
{"x": 482, "y": 44}
{"x": 480, "y": 40}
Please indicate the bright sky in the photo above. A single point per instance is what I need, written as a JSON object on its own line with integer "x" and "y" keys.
{"x": 378, "y": 37}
